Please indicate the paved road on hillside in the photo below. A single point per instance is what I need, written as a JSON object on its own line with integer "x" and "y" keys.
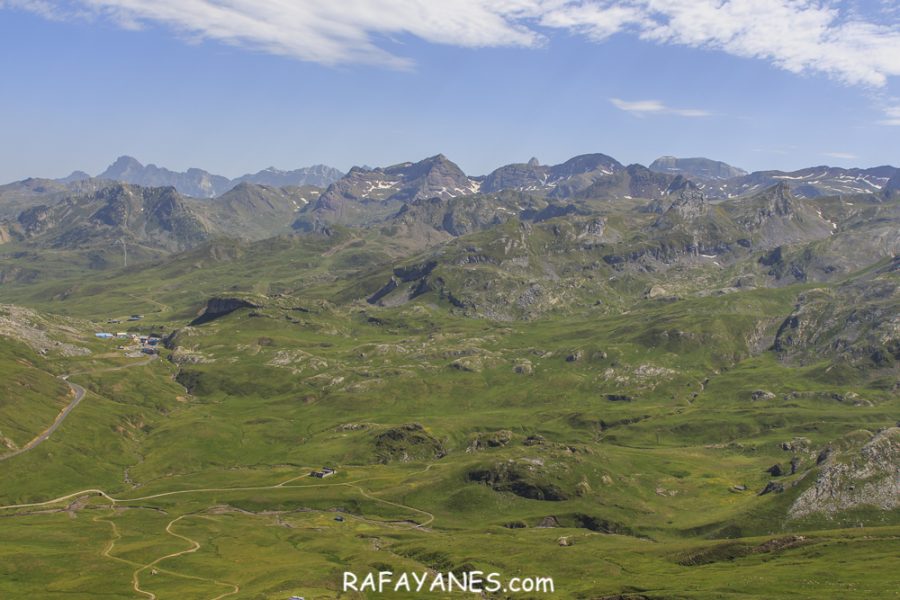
{"x": 79, "y": 394}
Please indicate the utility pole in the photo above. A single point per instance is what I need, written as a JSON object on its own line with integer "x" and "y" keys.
{"x": 124, "y": 253}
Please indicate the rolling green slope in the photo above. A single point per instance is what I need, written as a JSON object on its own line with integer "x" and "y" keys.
{"x": 590, "y": 397}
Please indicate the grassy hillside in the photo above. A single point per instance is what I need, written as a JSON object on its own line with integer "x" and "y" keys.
{"x": 668, "y": 425}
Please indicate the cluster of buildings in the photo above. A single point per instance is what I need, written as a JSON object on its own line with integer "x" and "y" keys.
{"x": 148, "y": 343}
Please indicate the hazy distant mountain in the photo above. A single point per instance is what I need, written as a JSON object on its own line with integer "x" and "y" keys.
{"x": 74, "y": 176}
{"x": 317, "y": 175}
{"x": 193, "y": 182}
{"x": 202, "y": 184}
{"x": 811, "y": 182}
{"x": 703, "y": 168}
{"x": 595, "y": 176}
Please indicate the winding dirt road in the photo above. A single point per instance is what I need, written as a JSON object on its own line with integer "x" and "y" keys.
{"x": 79, "y": 394}
{"x": 194, "y": 545}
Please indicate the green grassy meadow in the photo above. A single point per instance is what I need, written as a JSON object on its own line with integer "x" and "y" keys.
{"x": 618, "y": 442}
{"x": 649, "y": 444}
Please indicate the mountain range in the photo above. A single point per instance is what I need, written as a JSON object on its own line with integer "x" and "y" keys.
{"x": 589, "y": 174}
{"x": 425, "y": 202}
{"x": 689, "y": 369}
{"x": 202, "y": 184}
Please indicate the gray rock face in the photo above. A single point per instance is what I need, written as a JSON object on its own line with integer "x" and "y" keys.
{"x": 856, "y": 323}
{"x": 36, "y": 220}
{"x": 689, "y": 205}
{"x": 892, "y": 187}
{"x": 866, "y": 475}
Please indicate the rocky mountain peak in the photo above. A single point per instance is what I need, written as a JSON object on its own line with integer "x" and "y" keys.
{"x": 533, "y": 162}
{"x": 74, "y": 176}
{"x": 123, "y": 166}
{"x": 586, "y": 163}
{"x": 433, "y": 164}
{"x": 681, "y": 184}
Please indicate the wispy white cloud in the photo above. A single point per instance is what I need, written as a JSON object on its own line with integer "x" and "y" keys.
{"x": 595, "y": 20}
{"x": 840, "y": 155}
{"x": 892, "y": 116}
{"x": 801, "y": 36}
{"x": 642, "y": 108}
{"x": 321, "y": 31}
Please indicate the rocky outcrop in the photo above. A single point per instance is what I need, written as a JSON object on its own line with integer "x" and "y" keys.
{"x": 36, "y": 220}
{"x": 493, "y": 439}
{"x": 773, "y": 487}
{"x": 861, "y": 475}
{"x": 775, "y": 470}
{"x": 690, "y": 205}
{"x": 525, "y": 479}
{"x": 219, "y": 307}
{"x": 856, "y": 323}
{"x": 417, "y": 273}
{"x": 407, "y": 443}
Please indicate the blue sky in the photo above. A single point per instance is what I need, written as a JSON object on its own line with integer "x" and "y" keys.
{"x": 233, "y": 86}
